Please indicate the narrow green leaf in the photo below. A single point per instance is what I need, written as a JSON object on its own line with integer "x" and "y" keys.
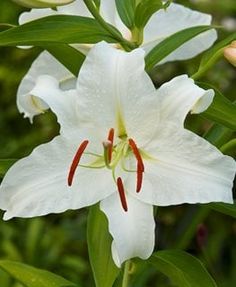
{"x": 68, "y": 56}
{"x": 212, "y": 56}
{"x": 218, "y": 135}
{"x": 229, "y": 148}
{"x": 225, "y": 208}
{"x": 171, "y": 43}
{"x": 33, "y": 277}
{"x": 183, "y": 269}
{"x": 64, "y": 29}
{"x": 99, "y": 246}
{"x": 5, "y": 164}
{"x": 221, "y": 110}
{"x": 126, "y": 10}
{"x": 144, "y": 11}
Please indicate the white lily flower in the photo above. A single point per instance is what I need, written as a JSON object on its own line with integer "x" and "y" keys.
{"x": 123, "y": 143}
{"x": 161, "y": 25}
{"x": 42, "y": 3}
{"x": 45, "y": 64}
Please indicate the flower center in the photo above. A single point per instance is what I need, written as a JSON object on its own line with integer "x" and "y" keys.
{"x": 113, "y": 155}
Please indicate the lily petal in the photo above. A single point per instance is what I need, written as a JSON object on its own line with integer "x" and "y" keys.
{"x": 186, "y": 169}
{"x": 176, "y": 18}
{"x": 132, "y": 231}
{"x": 63, "y": 103}
{"x": 120, "y": 93}
{"x": 37, "y": 185}
{"x": 76, "y": 8}
{"x": 109, "y": 12}
{"x": 45, "y": 64}
{"x": 180, "y": 96}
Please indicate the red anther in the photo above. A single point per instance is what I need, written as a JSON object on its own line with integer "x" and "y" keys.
{"x": 140, "y": 165}
{"x": 121, "y": 191}
{"x": 76, "y": 161}
{"x": 110, "y": 138}
{"x": 139, "y": 179}
{"x": 136, "y": 152}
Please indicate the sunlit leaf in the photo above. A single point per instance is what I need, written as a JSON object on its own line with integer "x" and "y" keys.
{"x": 171, "y": 43}
{"x": 99, "y": 245}
{"x": 144, "y": 11}
{"x": 56, "y": 29}
{"x": 126, "y": 10}
{"x": 33, "y": 277}
{"x": 183, "y": 269}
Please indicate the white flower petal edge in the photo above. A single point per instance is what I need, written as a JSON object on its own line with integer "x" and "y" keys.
{"x": 185, "y": 169}
{"x": 133, "y": 231}
{"x": 180, "y": 96}
{"x": 174, "y": 19}
{"x": 76, "y": 8}
{"x": 37, "y": 185}
{"x": 64, "y": 104}
{"x": 120, "y": 92}
{"x": 45, "y": 64}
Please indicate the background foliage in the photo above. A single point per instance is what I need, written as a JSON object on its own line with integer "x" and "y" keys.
{"x": 58, "y": 242}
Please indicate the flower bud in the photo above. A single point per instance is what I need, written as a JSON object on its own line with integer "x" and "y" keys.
{"x": 230, "y": 53}
{"x": 42, "y": 3}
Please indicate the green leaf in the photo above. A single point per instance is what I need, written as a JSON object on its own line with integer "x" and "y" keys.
{"x": 33, "y": 277}
{"x": 126, "y": 10}
{"x": 212, "y": 56}
{"x": 225, "y": 208}
{"x": 171, "y": 43}
{"x": 99, "y": 246}
{"x": 183, "y": 269}
{"x": 68, "y": 56}
{"x": 5, "y": 164}
{"x": 64, "y": 29}
{"x": 144, "y": 11}
{"x": 221, "y": 110}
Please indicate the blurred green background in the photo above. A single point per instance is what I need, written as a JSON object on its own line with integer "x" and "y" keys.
{"x": 58, "y": 242}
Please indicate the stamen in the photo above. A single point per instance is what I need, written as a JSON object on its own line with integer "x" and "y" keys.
{"x": 121, "y": 191}
{"x": 76, "y": 161}
{"x": 140, "y": 165}
{"x": 110, "y": 138}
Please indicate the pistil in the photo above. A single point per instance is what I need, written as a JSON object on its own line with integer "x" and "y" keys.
{"x": 76, "y": 161}
{"x": 110, "y": 138}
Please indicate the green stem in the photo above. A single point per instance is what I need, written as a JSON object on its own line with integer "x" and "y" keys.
{"x": 126, "y": 274}
{"x": 128, "y": 46}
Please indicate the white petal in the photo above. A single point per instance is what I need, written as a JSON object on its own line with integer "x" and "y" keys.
{"x": 132, "y": 231}
{"x": 180, "y": 96}
{"x": 37, "y": 184}
{"x": 63, "y": 103}
{"x": 174, "y": 19}
{"x": 187, "y": 169}
{"x": 76, "y": 8}
{"x": 109, "y": 12}
{"x": 112, "y": 84}
{"x": 45, "y": 64}
{"x": 35, "y": 14}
